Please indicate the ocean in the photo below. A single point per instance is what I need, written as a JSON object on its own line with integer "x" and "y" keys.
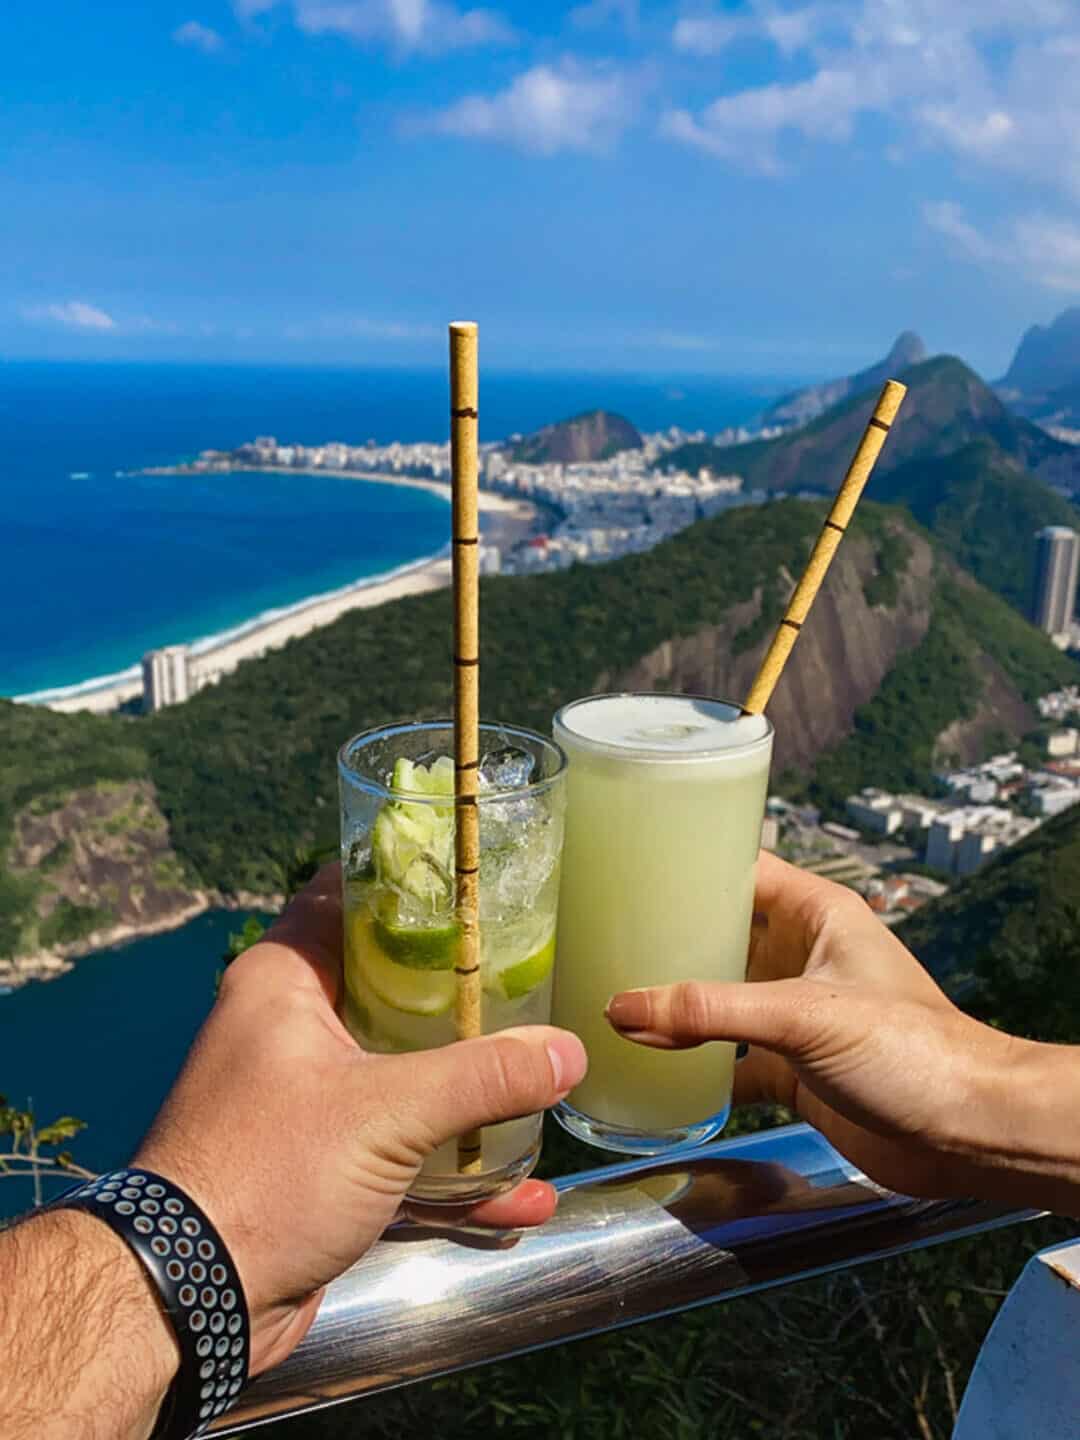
{"x": 104, "y": 1041}
{"x": 98, "y": 567}
{"x": 101, "y": 565}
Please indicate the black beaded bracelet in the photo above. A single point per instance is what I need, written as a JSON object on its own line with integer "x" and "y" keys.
{"x": 197, "y": 1285}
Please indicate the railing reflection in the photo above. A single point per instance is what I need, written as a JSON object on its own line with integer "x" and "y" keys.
{"x": 628, "y": 1243}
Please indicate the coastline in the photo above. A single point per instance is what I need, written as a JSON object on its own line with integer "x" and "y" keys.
{"x": 509, "y": 521}
{"x": 45, "y": 965}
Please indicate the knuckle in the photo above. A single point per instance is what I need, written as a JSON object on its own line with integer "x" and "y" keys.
{"x": 690, "y": 1009}
{"x": 509, "y": 1074}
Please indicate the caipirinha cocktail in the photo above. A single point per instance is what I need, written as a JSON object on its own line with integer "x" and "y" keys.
{"x": 401, "y": 931}
{"x": 666, "y": 795}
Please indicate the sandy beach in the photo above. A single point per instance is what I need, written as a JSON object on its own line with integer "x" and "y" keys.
{"x": 504, "y": 522}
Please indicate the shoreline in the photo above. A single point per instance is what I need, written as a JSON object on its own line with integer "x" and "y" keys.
{"x": 41, "y": 966}
{"x": 511, "y": 520}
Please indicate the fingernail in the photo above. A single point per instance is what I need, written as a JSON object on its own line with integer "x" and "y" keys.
{"x": 628, "y": 1011}
{"x": 568, "y": 1062}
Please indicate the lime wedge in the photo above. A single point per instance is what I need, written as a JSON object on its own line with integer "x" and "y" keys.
{"x": 518, "y": 979}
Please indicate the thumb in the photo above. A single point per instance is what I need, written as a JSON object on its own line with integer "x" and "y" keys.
{"x": 462, "y": 1087}
{"x": 791, "y": 1017}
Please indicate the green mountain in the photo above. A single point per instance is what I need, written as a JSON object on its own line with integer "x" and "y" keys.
{"x": 904, "y": 658}
{"x": 984, "y": 508}
{"x": 1009, "y": 937}
{"x": 595, "y": 435}
{"x": 946, "y": 408}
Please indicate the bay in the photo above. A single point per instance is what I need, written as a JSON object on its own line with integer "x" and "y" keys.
{"x": 99, "y": 566}
{"x": 105, "y": 1041}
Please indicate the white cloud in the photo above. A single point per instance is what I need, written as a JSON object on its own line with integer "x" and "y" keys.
{"x": 743, "y": 127}
{"x": 342, "y": 326}
{"x": 597, "y": 13}
{"x": 1050, "y": 250}
{"x": 548, "y": 108}
{"x": 71, "y": 314}
{"x": 1044, "y": 248}
{"x": 948, "y": 219}
{"x": 425, "y": 26}
{"x": 706, "y": 34}
{"x": 991, "y": 81}
{"x": 198, "y": 36}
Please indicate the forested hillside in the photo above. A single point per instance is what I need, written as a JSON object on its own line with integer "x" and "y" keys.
{"x": 903, "y": 654}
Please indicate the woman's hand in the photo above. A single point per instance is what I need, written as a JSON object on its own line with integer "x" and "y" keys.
{"x": 847, "y": 1029}
{"x": 300, "y": 1146}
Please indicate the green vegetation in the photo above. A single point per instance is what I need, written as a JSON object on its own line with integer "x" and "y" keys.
{"x": 28, "y": 1151}
{"x": 892, "y": 555}
{"x": 69, "y": 922}
{"x": 244, "y": 772}
{"x": 1010, "y": 936}
{"x": 593, "y": 435}
{"x": 45, "y": 757}
{"x": 58, "y": 856}
{"x": 892, "y": 743}
{"x": 984, "y": 509}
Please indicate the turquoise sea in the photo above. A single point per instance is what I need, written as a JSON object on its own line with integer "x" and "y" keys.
{"x": 98, "y": 566}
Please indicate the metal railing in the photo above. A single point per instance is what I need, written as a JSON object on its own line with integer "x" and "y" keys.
{"x": 629, "y": 1242}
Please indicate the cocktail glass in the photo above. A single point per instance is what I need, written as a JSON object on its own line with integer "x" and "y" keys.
{"x": 401, "y": 933}
{"x": 666, "y": 796}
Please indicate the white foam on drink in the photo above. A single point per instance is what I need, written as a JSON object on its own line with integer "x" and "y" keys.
{"x": 658, "y": 726}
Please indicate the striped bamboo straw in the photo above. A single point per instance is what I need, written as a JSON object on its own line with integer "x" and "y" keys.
{"x": 464, "y": 427}
{"x": 832, "y": 532}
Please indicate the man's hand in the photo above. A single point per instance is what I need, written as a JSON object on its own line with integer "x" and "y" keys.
{"x": 300, "y": 1146}
{"x": 847, "y": 1029}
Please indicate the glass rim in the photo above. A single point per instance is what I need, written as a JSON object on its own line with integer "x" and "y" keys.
{"x": 352, "y": 776}
{"x": 657, "y": 755}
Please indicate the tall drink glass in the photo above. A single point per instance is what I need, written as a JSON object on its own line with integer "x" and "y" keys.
{"x": 401, "y": 934}
{"x": 666, "y": 799}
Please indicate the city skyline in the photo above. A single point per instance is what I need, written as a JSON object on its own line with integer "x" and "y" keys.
{"x": 752, "y": 188}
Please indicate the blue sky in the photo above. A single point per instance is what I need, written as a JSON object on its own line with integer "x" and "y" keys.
{"x": 771, "y": 187}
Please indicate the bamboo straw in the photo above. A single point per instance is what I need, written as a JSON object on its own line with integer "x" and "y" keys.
{"x": 464, "y": 396}
{"x": 832, "y": 532}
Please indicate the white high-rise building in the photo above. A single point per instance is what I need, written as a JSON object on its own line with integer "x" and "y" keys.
{"x": 165, "y": 677}
{"x": 1057, "y": 560}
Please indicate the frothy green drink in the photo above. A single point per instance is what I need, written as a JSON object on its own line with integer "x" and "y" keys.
{"x": 666, "y": 795}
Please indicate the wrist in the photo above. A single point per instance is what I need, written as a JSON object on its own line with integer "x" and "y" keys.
{"x": 1016, "y": 1128}
{"x": 276, "y": 1325}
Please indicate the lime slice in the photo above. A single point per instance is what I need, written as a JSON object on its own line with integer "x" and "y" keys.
{"x": 428, "y": 947}
{"x": 518, "y": 979}
{"x": 403, "y": 987}
{"x": 379, "y": 1027}
{"x": 416, "y": 992}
